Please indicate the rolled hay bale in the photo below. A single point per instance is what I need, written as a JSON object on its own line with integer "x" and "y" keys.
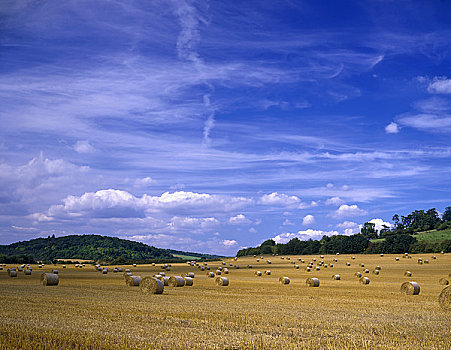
{"x": 162, "y": 273}
{"x": 127, "y": 274}
{"x": 314, "y": 259}
{"x": 396, "y": 259}
{"x": 237, "y": 267}
{"x": 257, "y": 273}
{"x": 308, "y": 269}
{"x": 49, "y": 279}
{"x": 20, "y": 269}
{"x": 1, "y": 268}
{"x": 168, "y": 268}
{"x": 382, "y": 254}
{"x": 258, "y": 260}
{"x": 296, "y": 267}
{"x": 218, "y": 272}
{"x": 151, "y": 285}
{"x": 249, "y": 266}
{"x": 335, "y": 260}
{"x": 235, "y": 258}
{"x": 165, "y": 280}
{"x": 336, "y": 277}
{"x": 376, "y": 272}
{"x": 134, "y": 265}
{"x": 207, "y": 268}
{"x": 378, "y": 268}
{"x": 322, "y": 256}
{"x": 348, "y": 264}
{"x": 104, "y": 270}
{"x": 303, "y": 261}
{"x": 190, "y": 274}
{"x": 188, "y": 281}
{"x": 353, "y": 258}
{"x": 288, "y": 258}
{"x": 362, "y": 265}
{"x": 12, "y": 273}
{"x": 366, "y": 271}
{"x": 231, "y": 265}
{"x": 420, "y": 261}
{"x": 282, "y": 257}
{"x": 40, "y": 266}
{"x": 210, "y": 274}
{"x": 337, "y": 253}
{"x": 358, "y": 274}
{"x": 312, "y": 282}
{"x": 115, "y": 270}
{"x": 443, "y": 281}
{"x": 284, "y": 280}
{"x": 364, "y": 280}
{"x": 317, "y": 268}
{"x": 153, "y": 264}
{"x": 223, "y": 262}
{"x": 176, "y": 281}
{"x": 127, "y": 270}
{"x": 55, "y": 272}
{"x": 408, "y": 274}
{"x": 426, "y": 261}
{"x": 27, "y": 272}
{"x": 202, "y": 268}
{"x": 331, "y": 265}
{"x": 268, "y": 272}
{"x": 268, "y": 261}
{"x": 226, "y": 271}
{"x": 410, "y": 288}
{"x": 133, "y": 281}
{"x": 64, "y": 266}
{"x": 119, "y": 269}
{"x": 434, "y": 257}
{"x": 325, "y": 266}
{"x": 222, "y": 281}
{"x": 444, "y": 298}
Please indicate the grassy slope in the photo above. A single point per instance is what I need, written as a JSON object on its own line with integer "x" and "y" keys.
{"x": 430, "y": 236}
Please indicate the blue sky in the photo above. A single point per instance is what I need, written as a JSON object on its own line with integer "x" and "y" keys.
{"x": 210, "y": 126}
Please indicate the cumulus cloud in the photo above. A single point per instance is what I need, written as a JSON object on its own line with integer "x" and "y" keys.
{"x": 334, "y": 201}
{"x": 440, "y": 85}
{"x": 392, "y": 128}
{"x": 83, "y": 147}
{"x": 229, "y": 242}
{"x": 239, "y": 219}
{"x": 144, "y": 182}
{"x": 303, "y": 235}
{"x": 120, "y": 203}
{"x": 192, "y": 222}
{"x": 380, "y": 224}
{"x": 308, "y": 220}
{"x": 347, "y": 211}
{"x": 281, "y": 199}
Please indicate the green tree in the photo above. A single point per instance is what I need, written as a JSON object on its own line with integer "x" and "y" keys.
{"x": 369, "y": 230}
{"x": 447, "y": 215}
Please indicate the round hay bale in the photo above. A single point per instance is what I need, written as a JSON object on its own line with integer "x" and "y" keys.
{"x": 426, "y": 261}
{"x": 378, "y": 268}
{"x": 119, "y": 269}
{"x": 268, "y": 261}
{"x": 151, "y": 285}
{"x": 258, "y": 260}
{"x": 55, "y": 272}
{"x": 210, "y": 274}
{"x": 314, "y": 259}
{"x": 410, "y": 288}
{"x": 223, "y": 263}
{"x": 420, "y": 261}
{"x": 202, "y": 268}
{"x": 115, "y": 270}
{"x": 207, "y": 268}
{"x": 162, "y": 273}
{"x": 27, "y": 272}
{"x": 12, "y": 273}
{"x": 382, "y": 254}
{"x": 105, "y": 271}
{"x": 218, "y": 272}
{"x": 176, "y": 281}
{"x": 226, "y": 271}
{"x": 249, "y": 266}
{"x": 127, "y": 274}
{"x": 325, "y": 266}
{"x": 434, "y": 257}
{"x": 443, "y": 281}
{"x": 127, "y": 270}
{"x": 358, "y": 274}
{"x": 362, "y": 265}
{"x": 165, "y": 280}
{"x": 317, "y": 268}
{"x": 353, "y": 258}
{"x": 257, "y": 273}
{"x": 267, "y": 272}
{"x": 296, "y": 266}
{"x": 237, "y": 267}
{"x": 288, "y": 258}
{"x": 49, "y": 279}
{"x": 222, "y": 281}
{"x": 331, "y": 265}
{"x": 322, "y": 256}
{"x": 366, "y": 271}
{"x": 188, "y": 281}
{"x": 133, "y": 281}
{"x": 1, "y": 268}
{"x": 348, "y": 264}
{"x": 336, "y": 277}
{"x": 312, "y": 282}
{"x": 396, "y": 259}
{"x": 284, "y": 280}
{"x": 376, "y": 272}
{"x": 336, "y": 260}
{"x": 303, "y": 261}
{"x": 408, "y": 274}
{"x": 444, "y": 299}
{"x": 364, "y": 280}
{"x": 64, "y": 266}
{"x": 308, "y": 269}
{"x": 190, "y": 274}
{"x": 19, "y": 269}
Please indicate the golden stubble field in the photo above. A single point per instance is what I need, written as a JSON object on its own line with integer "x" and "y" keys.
{"x": 88, "y": 310}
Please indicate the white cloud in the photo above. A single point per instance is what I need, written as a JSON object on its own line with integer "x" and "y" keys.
{"x": 380, "y": 223}
{"x": 348, "y": 224}
{"x": 440, "y": 85}
{"x": 334, "y": 201}
{"x": 229, "y": 242}
{"x": 287, "y": 223}
{"x": 427, "y": 121}
{"x": 83, "y": 147}
{"x": 191, "y": 222}
{"x": 347, "y": 211}
{"x": 392, "y": 128}
{"x": 351, "y": 231}
{"x": 252, "y": 230}
{"x": 308, "y": 220}
{"x": 281, "y": 199}
{"x": 144, "y": 182}
{"x": 303, "y": 235}
{"x": 239, "y": 219}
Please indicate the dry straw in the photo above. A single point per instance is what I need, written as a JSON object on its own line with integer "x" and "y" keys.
{"x": 27, "y": 272}
{"x": 284, "y": 280}
{"x": 313, "y": 282}
{"x": 258, "y": 273}
{"x": 218, "y": 272}
{"x": 444, "y": 299}
{"x": 358, "y": 274}
{"x": 222, "y": 281}
{"x": 105, "y": 271}
{"x": 133, "y": 281}
{"x": 190, "y": 274}
{"x": 364, "y": 280}
{"x": 151, "y": 285}
{"x": 296, "y": 266}
{"x": 210, "y": 274}
{"x": 176, "y": 281}
{"x": 188, "y": 281}
{"x": 12, "y": 273}
{"x": 336, "y": 277}
{"x": 376, "y": 272}
{"x": 408, "y": 274}
{"x": 226, "y": 271}
{"x": 410, "y": 288}
{"x": 267, "y": 272}
{"x": 378, "y": 268}
{"x": 443, "y": 281}
{"x": 49, "y": 279}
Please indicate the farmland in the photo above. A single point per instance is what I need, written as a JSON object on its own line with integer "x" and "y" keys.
{"x": 89, "y": 310}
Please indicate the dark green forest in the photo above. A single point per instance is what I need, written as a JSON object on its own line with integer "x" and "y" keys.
{"x": 396, "y": 239}
{"x": 87, "y": 247}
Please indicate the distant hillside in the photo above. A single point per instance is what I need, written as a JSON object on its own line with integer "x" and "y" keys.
{"x": 92, "y": 247}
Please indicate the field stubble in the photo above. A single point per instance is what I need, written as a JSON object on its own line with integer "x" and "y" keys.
{"x": 88, "y": 310}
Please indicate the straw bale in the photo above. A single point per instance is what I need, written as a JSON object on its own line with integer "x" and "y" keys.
{"x": 336, "y": 277}
{"x": 133, "y": 281}
{"x": 408, "y": 274}
{"x": 151, "y": 285}
{"x": 49, "y": 279}
{"x": 410, "y": 288}
{"x": 222, "y": 281}
{"x": 211, "y": 274}
{"x": 444, "y": 299}
{"x": 257, "y": 273}
{"x": 176, "y": 281}
{"x": 364, "y": 280}
{"x": 27, "y": 272}
{"x": 443, "y": 281}
{"x": 284, "y": 280}
{"x": 312, "y": 282}
{"x": 268, "y": 272}
{"x": 188, "y": 281}
{"x": 358, "y": 274}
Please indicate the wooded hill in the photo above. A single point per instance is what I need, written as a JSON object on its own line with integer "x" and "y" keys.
{"x": 89, "y": 247}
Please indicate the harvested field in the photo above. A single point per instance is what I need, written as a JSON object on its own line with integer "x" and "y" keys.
{"x": 254, "y": 313}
